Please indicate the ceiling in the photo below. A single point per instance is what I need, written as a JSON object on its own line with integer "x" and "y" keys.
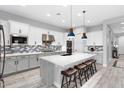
{"x": 95, "y": 14}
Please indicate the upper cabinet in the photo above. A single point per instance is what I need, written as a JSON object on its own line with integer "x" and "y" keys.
{"x": 18, "y": 28}
{"x": 95, "y": 38}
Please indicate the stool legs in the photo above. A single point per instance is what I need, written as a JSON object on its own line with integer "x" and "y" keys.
{"x": 62, "y": 81}
{"x": 3, "y": 84}
{"x": 75, "y": 80}
{"x": 79, "y": 72}
{"x": 68, "y": 82}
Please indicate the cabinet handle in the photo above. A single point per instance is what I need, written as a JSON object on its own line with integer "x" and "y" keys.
{"x": 17, "y": 62}
{"x": 37, "y": 59}
{"x": 19, "y": 30}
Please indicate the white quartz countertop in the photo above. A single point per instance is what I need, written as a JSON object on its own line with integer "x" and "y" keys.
{"x": 94, "y": 52}
{"x": 67, "y": 60}
{"x": 24, "y": 54}
{"x": 21, "y": 54}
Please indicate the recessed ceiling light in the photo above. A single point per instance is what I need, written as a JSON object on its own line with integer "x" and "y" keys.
{"x": 88, "y": 21}
{"x": 48, "y": 14}
{"x": 122, "y": 27}
{"x": 65, "y": 5}
{"x": 122, "y": 22}
{"x": 63, "y": 21}
{"x": 79, "y": 14}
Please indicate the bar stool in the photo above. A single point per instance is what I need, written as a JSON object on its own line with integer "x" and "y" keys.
{"x": 81, "y": 71}
{"x": 89, "y": 67}
{"x": 68, "y": 74}
{"x": 94, "y": 65}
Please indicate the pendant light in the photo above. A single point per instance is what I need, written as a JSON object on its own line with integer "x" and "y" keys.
{"x": 71, "y": 34}
{"x": 84, "y": 33}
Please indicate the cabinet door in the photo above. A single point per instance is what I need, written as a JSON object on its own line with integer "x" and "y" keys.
{"x": 18, "y": 28}
{"x": 34, "y": 61}
{"x": 35, "y": 36}
{"x": 10, "y": 65}
{"x": 22, "y": 63}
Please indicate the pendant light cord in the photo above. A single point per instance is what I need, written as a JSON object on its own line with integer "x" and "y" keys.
{"x": 84, "y": 19}
{"x": 71, "y": 16}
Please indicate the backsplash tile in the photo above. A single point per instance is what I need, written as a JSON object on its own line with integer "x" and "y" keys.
{"x": 97, "y": 48}
{"x": 31, "y": 48}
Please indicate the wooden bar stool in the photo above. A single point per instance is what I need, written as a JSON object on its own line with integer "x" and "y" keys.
{"x": 68, "y": 74}
{"x": 94, "y": 65}
{"x": 89, "y": 67}
{"x": 81, "y": 71}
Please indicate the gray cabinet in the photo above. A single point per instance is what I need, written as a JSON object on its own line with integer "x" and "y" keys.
{"x": 22, "y": 63}
{"x": 10, "y": 65}
{"x": 34, "y": 62}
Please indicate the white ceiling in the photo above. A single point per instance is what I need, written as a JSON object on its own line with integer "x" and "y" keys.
{"x": 96, "y": 14}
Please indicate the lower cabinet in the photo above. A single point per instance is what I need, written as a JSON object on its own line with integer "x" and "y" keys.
{"x": 10, "y": 65}
{"x": 22, "y": 63}
{"x": 34, "y": 62}
{"x": 99, "y": 58}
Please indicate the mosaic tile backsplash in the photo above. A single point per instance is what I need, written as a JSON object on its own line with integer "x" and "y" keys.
{"x": 31, "y": 48}
{"x": 97, "y": 48}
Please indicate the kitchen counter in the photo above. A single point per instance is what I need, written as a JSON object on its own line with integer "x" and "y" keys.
{"x": 64, "y": 61}
{"x": 30, "y": 53}
{"x": 51, "y": 66}
{"x": 21, "y": 54}
{"x": 94, "y": 52}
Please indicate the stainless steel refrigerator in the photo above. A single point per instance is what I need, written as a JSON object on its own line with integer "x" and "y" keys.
{"x": 2, "y": 55}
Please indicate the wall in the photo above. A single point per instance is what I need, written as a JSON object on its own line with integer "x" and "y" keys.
{"x": 121, "y": 45}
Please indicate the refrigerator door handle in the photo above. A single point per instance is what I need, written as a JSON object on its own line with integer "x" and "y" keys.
{"x": 1, "y": 28}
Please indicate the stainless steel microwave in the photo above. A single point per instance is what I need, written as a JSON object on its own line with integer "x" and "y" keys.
{"x": 17, "y": 39}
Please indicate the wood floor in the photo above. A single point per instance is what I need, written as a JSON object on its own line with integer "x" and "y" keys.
{"x": 110, "y": 77}
{"x": 29, "y": 79}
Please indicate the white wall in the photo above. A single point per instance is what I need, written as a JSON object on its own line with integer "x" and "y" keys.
{"x": 121, "y": 45}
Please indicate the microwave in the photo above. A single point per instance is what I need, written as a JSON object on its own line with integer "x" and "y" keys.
{"x": 16, "y": 39}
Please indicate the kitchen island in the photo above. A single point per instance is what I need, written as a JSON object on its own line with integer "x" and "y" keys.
{"x": 51, "y": 66}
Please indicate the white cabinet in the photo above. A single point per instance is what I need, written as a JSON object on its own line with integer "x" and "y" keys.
{"x": 22, "y": 63}
{"x": 18, "y": 28}
{"x": 95, "y": 38}
{"x": 35, "y": 36}
{"x": 10, "y": 65}
{"x": 34, "y": 61}
{"x": 6, "y": 32}
{"x": 99, "y": 58}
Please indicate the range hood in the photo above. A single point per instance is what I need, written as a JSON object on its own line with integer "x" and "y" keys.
{"x": 47, "y": 39}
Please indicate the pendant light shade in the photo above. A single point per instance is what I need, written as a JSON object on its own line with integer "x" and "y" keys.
{"x": 84, "y": 36}
{"x": 84, "y": 33}
{"x": 71, "y": 34}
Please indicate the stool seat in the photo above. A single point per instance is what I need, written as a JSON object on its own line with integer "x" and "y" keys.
{"x": 88, "y": 63}
{"x": 69, "y": 72}
{"x": 80, "y": 66}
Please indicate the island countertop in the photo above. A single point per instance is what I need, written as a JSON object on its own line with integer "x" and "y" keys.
{"x": 66, "y": 60}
